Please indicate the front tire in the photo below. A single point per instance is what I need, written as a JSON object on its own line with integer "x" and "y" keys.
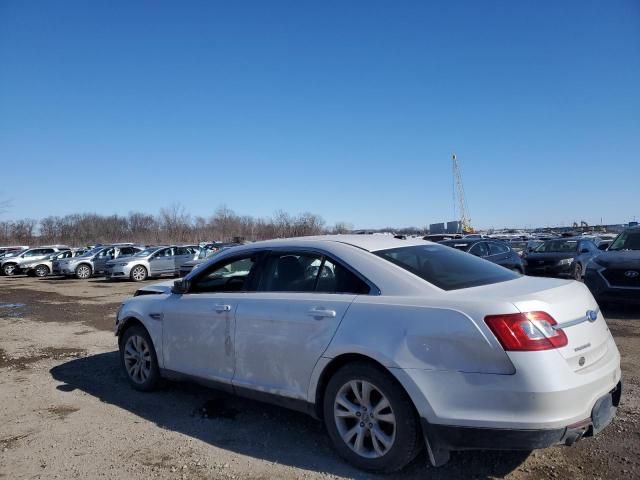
{"x": 83, "y": 272}
{"x": 138, "y": 359}
{"x": 138, "y": 273}
{"x": 41, "y": 271}
{"x": 577, "y": 272}
{"x": 370, "y": 418}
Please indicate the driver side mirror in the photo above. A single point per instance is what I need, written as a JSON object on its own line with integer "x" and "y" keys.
{"x": 180, "y": 286}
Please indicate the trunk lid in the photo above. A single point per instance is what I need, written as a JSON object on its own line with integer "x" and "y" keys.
{"x": 571, "y": 305}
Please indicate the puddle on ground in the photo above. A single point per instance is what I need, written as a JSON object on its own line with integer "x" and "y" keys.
{"x": 11, "y": 310}
{"x": 217, "y": 408}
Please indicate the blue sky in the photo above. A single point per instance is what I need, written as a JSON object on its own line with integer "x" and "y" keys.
{"x": 348, "y": 109}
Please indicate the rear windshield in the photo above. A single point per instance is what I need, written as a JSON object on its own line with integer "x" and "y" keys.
{"x": 447, "y": 268}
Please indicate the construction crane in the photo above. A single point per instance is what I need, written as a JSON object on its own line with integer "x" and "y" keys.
{"x": 459, "y": 198}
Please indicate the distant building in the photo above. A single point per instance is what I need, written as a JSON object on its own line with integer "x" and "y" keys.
{"x": 437, "y": 228}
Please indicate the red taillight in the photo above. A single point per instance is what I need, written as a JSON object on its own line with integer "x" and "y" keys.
{"x": 526, "y": 332}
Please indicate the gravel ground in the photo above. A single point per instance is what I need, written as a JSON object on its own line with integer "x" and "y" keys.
{"x": 66, "y": 410}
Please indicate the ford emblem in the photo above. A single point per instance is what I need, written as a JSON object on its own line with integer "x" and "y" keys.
{"x": 631, "y": 274}
{"x": 592, "y": 315}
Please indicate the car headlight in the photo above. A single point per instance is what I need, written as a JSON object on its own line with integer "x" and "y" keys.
{"x": 566, "y": 261}
{"x": 123, "y": 264}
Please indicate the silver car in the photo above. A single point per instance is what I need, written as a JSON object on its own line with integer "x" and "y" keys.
{"x": 13, "y": 265}
{"x": 151, "y": 262}
{"x": 396, "y": 344}
{"x": 92, "y": 262}
{"x": 43, "y": 267}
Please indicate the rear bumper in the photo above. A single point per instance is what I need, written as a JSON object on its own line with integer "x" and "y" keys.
{"x": 442, "y": 439}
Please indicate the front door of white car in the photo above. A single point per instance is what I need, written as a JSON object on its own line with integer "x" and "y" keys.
{"x": 199, "y": 326}
{"x": 292, "y": 316}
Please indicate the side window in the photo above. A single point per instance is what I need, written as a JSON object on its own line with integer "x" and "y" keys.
{"x": 290, "y": 272}
{"x": 106, "y": 253}
{"x": 126, "y": 251}
{"x": 497, "y": 248}
{"x": 47, "y": 251}
{"x": 164, "y": 253}
{"x": 182, "y": 251}
{"x": 479, "y": 249}
{"x": 334, "y": 278}
{"x": 34, "y": 253}
{"x": 228, "y": 276}
{"x": 65, "y": 255}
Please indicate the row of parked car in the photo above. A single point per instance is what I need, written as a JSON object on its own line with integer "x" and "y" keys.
{"x": 114, "y": 261}
{"x": 610, "y": 268}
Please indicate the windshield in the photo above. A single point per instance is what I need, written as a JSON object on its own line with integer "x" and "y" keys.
{"x": 147, "y": 251}
{"x": 447, "y": 268}
{"x": 627, "y": 241}
{"x": 91, "y": 252}
{"x": 558, "y": 246}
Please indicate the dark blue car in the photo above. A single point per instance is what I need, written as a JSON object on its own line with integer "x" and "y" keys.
{"x": 614, "y": 275}
{"x": 561, "y": 257}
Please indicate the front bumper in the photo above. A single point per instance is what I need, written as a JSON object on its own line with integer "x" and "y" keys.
{"x": 117, "y": 271}
{"x": 64, "y": 269}
{"x": 604, "y": 292}
{"x": 441, "y": 439}
{"x": 555, "y": 270}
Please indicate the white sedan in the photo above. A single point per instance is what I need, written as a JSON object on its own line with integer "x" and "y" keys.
{"x": 396, "y": 344}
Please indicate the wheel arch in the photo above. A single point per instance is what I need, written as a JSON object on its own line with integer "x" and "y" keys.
{"x": 333, "y": 366}
{"x": 154, "y": 329}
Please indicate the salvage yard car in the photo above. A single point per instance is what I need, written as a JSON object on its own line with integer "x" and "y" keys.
{"x": 92, "y": 262}
{"x": 13, "y": 265}
{"x": 561, "y": 257}
{"x": 151, "y": 262}
{"x": 43, "y": 267}
{"x": 395, "y": 344}
{"x": 614, "y": 275}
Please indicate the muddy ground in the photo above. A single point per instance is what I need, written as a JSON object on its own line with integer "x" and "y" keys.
{"x": 66, "y": 410}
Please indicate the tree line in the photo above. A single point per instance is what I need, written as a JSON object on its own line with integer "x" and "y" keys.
{"x": 171, "y": 225}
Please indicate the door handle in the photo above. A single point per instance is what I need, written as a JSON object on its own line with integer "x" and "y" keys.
{"x": 321, "y": 312}
{"x": 223, "y": 308}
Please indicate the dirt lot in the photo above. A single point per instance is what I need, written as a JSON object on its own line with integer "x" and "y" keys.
{"x": 66, "y": 410}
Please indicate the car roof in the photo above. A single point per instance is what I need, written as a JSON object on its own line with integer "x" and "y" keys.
{"x": 370, "y": 243}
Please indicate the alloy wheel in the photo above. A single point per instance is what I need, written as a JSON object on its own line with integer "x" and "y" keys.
{"x": 138, "y": 274}
{"x": 83, "y": 272}
{"x": 137, "y": 359}
{"x": 9, "y": 269}
{"x": 42, "y": 271}
{"x": 365, "y": 419}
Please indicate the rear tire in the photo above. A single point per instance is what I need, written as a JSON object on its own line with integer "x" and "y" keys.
{"x": 9, "y": 269}
{"x": 138, "y": 359}
{"x": 41, "y": 271}
{"x": 371, "y": 419}
{"x": 83, "y": 272}
{"x": 138, "y": 273}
